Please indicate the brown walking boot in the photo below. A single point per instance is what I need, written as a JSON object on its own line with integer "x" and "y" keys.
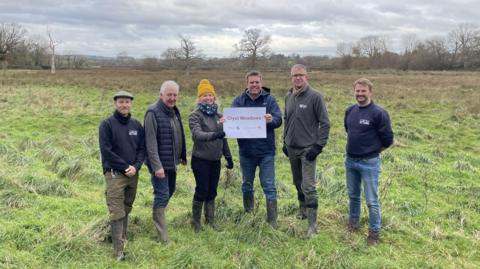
{"x": 373, "y": 238}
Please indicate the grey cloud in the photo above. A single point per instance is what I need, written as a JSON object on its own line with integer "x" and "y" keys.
{"x": 142, "y": 27}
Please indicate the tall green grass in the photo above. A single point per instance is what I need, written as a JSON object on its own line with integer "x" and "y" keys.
{"x": 52, "y": 205}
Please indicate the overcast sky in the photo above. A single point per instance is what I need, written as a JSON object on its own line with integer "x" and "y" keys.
{"x": 147, "y": 27}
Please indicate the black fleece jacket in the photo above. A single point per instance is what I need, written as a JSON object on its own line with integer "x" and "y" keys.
{"x": 122, "y": 143}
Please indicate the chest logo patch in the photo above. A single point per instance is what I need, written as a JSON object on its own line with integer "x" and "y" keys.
{"x": 132, "y": 132}
{"x": 364, "y": 122}
{"x": 302, "y": 106}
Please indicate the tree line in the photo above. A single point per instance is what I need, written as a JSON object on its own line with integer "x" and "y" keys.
{"x": 459, "y": 49}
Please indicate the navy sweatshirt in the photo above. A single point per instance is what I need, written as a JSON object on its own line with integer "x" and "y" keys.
{"x": 368, "y": 131}
{"x": 122, "y": 143}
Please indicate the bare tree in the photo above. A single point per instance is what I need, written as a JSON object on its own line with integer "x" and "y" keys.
{"x": 410, "y": 43}
{"x": 150, "y": 62}
{"x": 372, "y": 46}
{"x": 345, "y": 52}
{"x": 11, "y": 35}
{"x": 183, "y": 56}
{"x": 39, "y": 51}
{"x": 188, "y": 52}
{"x": 253, "y": 46}
{"x": 52, "y": 44}
{"x": 170, "y": 57}
{"x": 461, "y": 43}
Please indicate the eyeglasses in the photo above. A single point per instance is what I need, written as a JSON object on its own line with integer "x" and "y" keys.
{"x": 298, "y": 75}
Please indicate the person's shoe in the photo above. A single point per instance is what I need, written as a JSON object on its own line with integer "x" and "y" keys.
{"x": 210, "y": 213}
{"x": 248, "y": 202}
{"x": 197, "y": 215}
{"x": 373, "y": 238}
{"x": 117, "y": 240}
{"x": 312, "y": 222}
{"x": 272, "y": 213}
{"x": 302, "y": 210}
{"x": 353, "y": 227}
{"x": 160, "y": 224}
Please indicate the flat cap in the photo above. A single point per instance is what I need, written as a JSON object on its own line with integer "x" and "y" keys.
{"x": 122, "y": 93}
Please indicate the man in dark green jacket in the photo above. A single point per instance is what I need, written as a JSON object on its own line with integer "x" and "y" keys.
{"x": 305, "y": 134}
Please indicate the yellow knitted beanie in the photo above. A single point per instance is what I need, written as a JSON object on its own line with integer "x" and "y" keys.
{"x": 205, "y": 87}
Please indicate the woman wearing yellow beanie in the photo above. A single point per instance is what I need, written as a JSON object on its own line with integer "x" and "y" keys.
{"x": 209, "y": 144}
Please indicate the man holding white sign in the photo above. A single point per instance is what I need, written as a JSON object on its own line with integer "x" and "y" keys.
{"x": 256, "y": 148}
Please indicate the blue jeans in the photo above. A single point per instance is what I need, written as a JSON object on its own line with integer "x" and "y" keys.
{"x": 267, "y": 175}
{"x": 368, "y": 171}
{"x": 163, "y": 188}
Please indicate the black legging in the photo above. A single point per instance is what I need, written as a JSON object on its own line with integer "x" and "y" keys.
{"x": 207, "y": 175}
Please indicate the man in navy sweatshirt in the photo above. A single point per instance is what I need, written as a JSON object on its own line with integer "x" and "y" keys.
{"x": 369, "y": 132}
{"x": 122, "y": 150}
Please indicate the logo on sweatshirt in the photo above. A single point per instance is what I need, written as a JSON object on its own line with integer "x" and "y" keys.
{"x": 302, "y": 106}
{"x": 364, "y": 122}
{"x": 132, "y": 132}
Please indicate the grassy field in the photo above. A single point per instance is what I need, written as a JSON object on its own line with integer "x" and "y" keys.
{"x": 52, "y": 205}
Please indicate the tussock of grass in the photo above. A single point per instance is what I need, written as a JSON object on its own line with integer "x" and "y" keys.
{"x": 72, "y": 169}
{"x": 98, "y": 230}
{"x": 39, "y": 184}
{"x": 463, "y": 165}
{"x": 417, "y": 157}
{"x": 184, "y": 257}
{"x": 26, "y": 144}
{"x": 14, "y": 199}
{"x": 330, "y": 185}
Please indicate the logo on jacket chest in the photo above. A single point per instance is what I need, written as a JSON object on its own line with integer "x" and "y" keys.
{"x": 364, "y": 122}
{"x": 132, "y": 132}
{"x": 303, "y": 106}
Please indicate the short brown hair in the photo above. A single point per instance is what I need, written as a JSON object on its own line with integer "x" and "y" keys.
{"x": 364, "y": 82}
{"x": 253, "y": 73}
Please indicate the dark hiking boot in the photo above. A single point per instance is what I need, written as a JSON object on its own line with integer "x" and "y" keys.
{"x": 312, "y": 222}
{"x": 302, "y": 210}
{"x": 160, "y": 224}
{"x": 373, "y": 238}
{"x": 117, "y": 240}
{"x": 353, "y": 227}
{"x": 272, "y": 213}
{"x": 248, "y": 202}
{"x": 210, "y": 213}
{"x": 197, "y": 215}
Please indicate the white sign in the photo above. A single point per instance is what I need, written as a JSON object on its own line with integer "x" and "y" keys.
{"x": 245, "y": 122}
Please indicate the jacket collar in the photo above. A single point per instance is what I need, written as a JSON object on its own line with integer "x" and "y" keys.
{"x": 265, "y": 91}
{"x": 302, "y": 90}
{"x": 167, "y": 110}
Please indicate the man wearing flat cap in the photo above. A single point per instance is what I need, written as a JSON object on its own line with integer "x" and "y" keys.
{"x": 122, "y": 148}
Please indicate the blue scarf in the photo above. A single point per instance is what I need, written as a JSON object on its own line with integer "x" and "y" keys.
{"x": 209, "y": 110}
